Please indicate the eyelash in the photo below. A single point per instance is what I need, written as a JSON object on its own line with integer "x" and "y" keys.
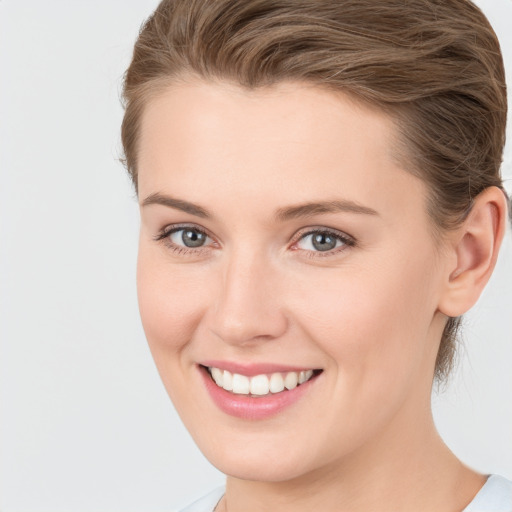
{"x": 165, "y": 233}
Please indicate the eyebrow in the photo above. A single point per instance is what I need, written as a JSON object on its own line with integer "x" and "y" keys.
{"x": 281, "y": 215}
{"x": 315, "y": 208}
{"x": 177, "y": 204}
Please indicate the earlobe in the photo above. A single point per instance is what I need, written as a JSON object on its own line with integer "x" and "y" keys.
{"x": 475, "y": 247}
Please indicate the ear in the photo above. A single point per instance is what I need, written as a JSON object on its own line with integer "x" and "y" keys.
{"x": 474, "y": 247}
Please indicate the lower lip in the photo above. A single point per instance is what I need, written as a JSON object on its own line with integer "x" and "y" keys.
{"x": 253, "y": 408}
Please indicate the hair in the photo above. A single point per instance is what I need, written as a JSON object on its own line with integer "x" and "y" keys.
{"x": 434, "y": 66}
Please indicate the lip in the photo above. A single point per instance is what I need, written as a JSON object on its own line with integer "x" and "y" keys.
{"x": 253, "y": 408}
{"x": 252, "y": 369}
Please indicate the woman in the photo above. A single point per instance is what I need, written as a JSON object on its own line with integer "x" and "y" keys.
{"x": 320, "y": 204}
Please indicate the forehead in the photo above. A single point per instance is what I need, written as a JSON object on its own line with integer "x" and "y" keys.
{"x": 290, "y": 142}
{"x": 282, "y": 113}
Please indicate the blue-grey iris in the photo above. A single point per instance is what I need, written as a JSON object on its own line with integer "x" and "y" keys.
{"x": 193, "y": 238}
{"x": 323, "y": 242}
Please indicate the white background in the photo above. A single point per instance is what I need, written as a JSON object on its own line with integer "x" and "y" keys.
{"x": 85, "y": 424}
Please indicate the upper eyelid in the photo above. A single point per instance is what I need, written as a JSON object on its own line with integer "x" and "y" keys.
{"x": 298, "y": 235}
{"x": 172, "y": 228}
{"x": 321, "y": 229}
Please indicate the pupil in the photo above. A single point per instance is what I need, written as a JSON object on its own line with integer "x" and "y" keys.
{"x": 192, "y": 238}
{"x": 323, "y": 242}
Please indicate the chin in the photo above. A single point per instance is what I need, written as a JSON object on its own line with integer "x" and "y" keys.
{"x": 246, "y": 460}
{"x": 260, "y": 468}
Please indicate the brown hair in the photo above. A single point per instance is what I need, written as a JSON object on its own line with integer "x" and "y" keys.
{"x": 434, "y": 66}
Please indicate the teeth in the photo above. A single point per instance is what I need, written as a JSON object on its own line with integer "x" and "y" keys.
{"x": 276, "y": 383}
{"x": 304, "y": 376}
{"x": 227, "y": 381}
{"x": 259, "y": 385}
{"x": 218, "y": 376}
{"x": 291, "y": 380}
{"x": 241, "y": 384}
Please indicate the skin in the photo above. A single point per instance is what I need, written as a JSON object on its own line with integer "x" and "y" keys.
{"x": 370, "y": 315}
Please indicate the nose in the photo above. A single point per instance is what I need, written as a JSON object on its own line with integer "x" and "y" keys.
{"x": 247, "y": 307}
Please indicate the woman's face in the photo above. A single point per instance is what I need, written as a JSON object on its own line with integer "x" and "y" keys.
{"x": 281, "y": 240}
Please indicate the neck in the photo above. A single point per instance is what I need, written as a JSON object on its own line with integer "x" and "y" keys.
{"x": 404, "y": 469}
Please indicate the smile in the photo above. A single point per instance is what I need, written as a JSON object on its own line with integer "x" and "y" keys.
{"x": 259, "y": 385}
{"x": 256, "y": 392}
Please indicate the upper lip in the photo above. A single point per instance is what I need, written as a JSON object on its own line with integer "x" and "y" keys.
{"x": 252, "y": 369}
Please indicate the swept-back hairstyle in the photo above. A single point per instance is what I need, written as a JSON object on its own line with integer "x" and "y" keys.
{"x": 434, "y": 66}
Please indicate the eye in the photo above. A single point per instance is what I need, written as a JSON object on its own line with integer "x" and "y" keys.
{"x": 188, "y": 237}
{"x": 323, "y": 241}
{"x": 184, "y": 239}
{"x": 194, "y": 240}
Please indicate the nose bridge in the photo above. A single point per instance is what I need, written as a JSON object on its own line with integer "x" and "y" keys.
{"x": 247, "y": 306}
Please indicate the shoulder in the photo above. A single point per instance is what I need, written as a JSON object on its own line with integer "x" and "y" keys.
{"x": 206, "y": 503}
{"x": 494, "y": 496}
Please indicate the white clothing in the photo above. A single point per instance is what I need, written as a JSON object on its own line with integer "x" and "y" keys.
{"x": 494, "y": 496}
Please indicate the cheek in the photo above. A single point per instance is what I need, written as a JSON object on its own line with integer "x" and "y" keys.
{"x": 170, "y": 300}
{"x": 373, "y": 324}
{"x": 372, "y": 319}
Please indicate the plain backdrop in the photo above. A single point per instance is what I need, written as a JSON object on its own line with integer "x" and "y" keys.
{"x": 85, "y": 424}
